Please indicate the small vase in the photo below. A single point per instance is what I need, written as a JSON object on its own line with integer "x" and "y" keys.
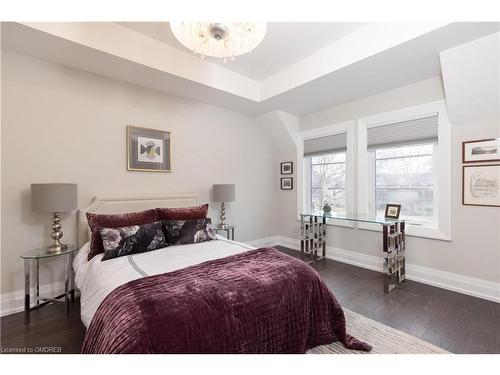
{"x": 327, "y": 209}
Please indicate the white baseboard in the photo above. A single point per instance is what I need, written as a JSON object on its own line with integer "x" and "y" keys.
{"x": 11, "y": 303}
{"x": 446, "y": 280}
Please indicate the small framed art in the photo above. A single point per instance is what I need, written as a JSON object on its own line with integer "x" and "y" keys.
{"x": 481, "y": 185}
{"x": 481, "y": 151}
{"x": 287, "y": 167}
{"x": 286, "y": 183}
{"x": 148, "y": 150}
{"x": 392, "y": 211}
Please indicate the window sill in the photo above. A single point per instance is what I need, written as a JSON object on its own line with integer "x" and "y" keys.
{"x": 412, "y": 231}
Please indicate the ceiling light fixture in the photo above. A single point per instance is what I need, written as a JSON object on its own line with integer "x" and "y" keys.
{"x": 225, "y": 40}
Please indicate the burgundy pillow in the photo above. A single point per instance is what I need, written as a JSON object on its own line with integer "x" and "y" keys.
{"x": 96, "y": 222}
{"x": 184, "y": 213}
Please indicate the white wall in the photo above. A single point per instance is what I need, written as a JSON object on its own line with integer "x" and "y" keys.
{"x": 284, "y": 151}
{"x": 426, "y": 91}
{"x": 471, "y": 73}
{"x": 65, "y": 125}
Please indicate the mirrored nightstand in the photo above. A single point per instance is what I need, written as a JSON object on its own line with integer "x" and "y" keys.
{"x": 229, "y": 229}
{"x": 35, "y": 257}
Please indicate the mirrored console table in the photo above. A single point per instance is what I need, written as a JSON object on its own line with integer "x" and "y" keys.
{"x": 313, "y": 241}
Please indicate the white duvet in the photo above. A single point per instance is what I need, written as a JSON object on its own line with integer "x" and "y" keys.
{"x": 96, "y": 279}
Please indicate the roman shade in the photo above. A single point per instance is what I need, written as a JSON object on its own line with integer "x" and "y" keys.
{"x": 418, "y": 131}
{"x": 325, "y": 145}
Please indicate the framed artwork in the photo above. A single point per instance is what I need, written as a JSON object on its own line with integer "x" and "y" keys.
{"x": 286, "y": 183}
{"x": 392, "y": 211}
{"x": 481, "y": 185}
{"x": 287, "y": 167}
{"x": 481, "y": 151}
{"x": 148, "y": 150}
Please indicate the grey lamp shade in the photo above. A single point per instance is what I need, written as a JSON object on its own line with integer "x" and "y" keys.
{"x": 223, "y": 192}
{"x": 53, "y": 197}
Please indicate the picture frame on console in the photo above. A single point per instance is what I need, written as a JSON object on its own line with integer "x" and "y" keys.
{"x": 148, "y": 150}
{"x": 392, "y": 211}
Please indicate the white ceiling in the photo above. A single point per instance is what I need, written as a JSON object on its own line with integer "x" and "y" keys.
{"x": 373, "y": 59}
{"x": 285, "y": 44}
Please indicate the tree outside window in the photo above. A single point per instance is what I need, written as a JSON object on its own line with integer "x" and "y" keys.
{"x": 404, "y": 175}
{"x": 328, "y": 181}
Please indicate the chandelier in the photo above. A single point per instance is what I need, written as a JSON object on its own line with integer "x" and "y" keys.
{"x": 225, "y": 40}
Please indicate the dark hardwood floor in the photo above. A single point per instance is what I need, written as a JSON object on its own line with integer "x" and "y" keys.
{"x": 49, "y": 327}
{"x": 453, "y": 321}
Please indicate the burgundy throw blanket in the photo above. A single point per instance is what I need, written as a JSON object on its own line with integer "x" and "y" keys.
{"x": 260, "y": 301}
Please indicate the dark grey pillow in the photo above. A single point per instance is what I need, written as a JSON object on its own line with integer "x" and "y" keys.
{"x": 182, "y": 232}
{"x": 134, "y": 239}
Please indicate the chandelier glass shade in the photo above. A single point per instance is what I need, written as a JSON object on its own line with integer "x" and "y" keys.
{"x": 224, "y": 40}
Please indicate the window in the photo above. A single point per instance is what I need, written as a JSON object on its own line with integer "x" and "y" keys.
{"x": 327, "y": 181}
{"x": 405, "y": 175}
{"x": 325, "y": 159}
{"x": 401, "y": 166}
{"x": 400, "y": 157}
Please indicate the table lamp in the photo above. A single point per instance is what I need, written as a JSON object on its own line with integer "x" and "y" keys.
{"x": 54, "y": 198}
{"x": 223, "y": 193}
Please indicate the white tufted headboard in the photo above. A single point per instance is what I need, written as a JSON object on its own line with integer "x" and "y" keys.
{"x": 130, "y": 203}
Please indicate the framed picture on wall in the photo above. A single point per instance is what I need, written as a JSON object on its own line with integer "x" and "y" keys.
{"x": 481, "y": 150}
{"x": 286, "y": 183}
{"x": 148, "y": 150}
{"x": 481, "y": 185}
{"x": 287, "y": 167}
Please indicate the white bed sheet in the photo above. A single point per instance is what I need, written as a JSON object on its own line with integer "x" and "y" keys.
{"x": 96, "y": 279}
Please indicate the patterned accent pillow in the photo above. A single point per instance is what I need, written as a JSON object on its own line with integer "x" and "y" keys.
{"x": 98, "y": 221}
{"x": 182, "y": 232}
{"x": 183, "y": 213}
{"x": 135, "y": 239}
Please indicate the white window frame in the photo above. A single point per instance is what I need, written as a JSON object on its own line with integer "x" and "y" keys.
{"x": 442, "y": 166}
{"x": 348, "y": 127}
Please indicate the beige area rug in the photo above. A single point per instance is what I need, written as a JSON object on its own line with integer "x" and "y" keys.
{"x": 383, "y": 339}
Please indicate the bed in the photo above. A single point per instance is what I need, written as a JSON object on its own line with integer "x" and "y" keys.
{"x": 217, "y": 296}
